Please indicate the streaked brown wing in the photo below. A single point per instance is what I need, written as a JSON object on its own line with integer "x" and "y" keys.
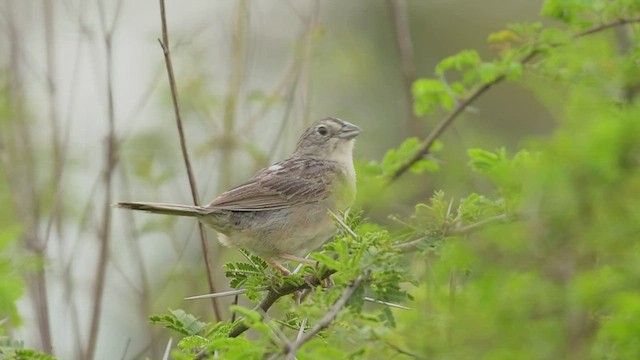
{"x": 292, "y": 182}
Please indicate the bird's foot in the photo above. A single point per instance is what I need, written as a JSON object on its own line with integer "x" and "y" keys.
{"x": 279, "y": 267}
{"x": 327, "y": 283}
{"x": 298, "y": 259}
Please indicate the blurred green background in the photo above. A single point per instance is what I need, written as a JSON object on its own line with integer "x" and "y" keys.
{"x": 251, "y": 76}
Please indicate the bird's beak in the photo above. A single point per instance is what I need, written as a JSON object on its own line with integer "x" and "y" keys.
{"x": 348, "y": 131}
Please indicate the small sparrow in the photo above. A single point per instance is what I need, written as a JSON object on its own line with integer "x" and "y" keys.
{"x": 282, "y": 213}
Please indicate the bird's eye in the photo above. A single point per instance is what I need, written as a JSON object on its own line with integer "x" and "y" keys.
{"x": 322, "y": 130}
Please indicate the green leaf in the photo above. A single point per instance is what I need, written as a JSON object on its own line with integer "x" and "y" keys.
{"x": 428, "y": 94}
{"x": 326, "y": 260}
{"x": 251, "y": 315}
{"x": 180, "y": 321}
{"x": 463, "y": 60}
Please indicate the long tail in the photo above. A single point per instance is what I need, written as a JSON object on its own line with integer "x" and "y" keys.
{"x": 167, "y": 209}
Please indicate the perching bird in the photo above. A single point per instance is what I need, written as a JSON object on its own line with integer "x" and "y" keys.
{"x": 282, "y": 213}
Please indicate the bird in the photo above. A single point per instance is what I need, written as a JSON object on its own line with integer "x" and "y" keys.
{"x": 282, "y": 213}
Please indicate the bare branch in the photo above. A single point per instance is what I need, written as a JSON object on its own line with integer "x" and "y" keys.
{"x": 164, "y": 43}
{"x": 167, "y": 350}
{"x": 107, "y": 178}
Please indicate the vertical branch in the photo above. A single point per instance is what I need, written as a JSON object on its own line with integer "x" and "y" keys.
{"x": 104, "y": 234}
{"x": 164, "y": 43}
{"x": 56, "y": 210}
{"x": 301, "y": 75}
{"x": 136, "y": 251}
{"x": 305, "y": 90}
{"x": 20, "y": 168}
{"x": 236, "y": 76}
{"x": 398, "y": 12}
{"x": 49, "y": 34}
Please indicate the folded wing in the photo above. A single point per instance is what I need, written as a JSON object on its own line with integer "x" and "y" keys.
{"x": 290, "y": 183}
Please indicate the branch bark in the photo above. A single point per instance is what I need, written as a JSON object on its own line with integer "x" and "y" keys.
{"x": 274, "y": 294}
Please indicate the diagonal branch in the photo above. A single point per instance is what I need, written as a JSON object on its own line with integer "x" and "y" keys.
{"x": 274, "y": 294}
{"x": 164, "y": 43}
{"x": 426, "y": 144}
{"x": 292, "y": 348}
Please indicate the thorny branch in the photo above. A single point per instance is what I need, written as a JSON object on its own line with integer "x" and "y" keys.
{"x": 164, "y": 43}
{"x": 274, "y": 294}
{"x": 292, "y": 348}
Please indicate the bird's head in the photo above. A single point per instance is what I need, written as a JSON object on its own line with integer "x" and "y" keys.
{"x": 329, "y": 139}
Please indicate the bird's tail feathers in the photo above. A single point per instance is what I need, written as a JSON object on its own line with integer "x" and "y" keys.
{"x": 166, "y": 209}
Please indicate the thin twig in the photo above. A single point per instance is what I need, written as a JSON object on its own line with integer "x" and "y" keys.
{"x": 224, "y": 293}
{"x": 167, "y": 350}
{"x": 386, "y": 303}
{"x": 164, "y": 43}
{"x": 404, "y": 351}
{"x": 18, "y": 161}
{"x": 144, "y": 302}
{"x": 326, "y": 320}
{"x": 464, "y": 230}
{"x": 606, "y": 26}
{"x": 426, "y": 144}
{"x": 342, "y": 224}
{"x": 455, "y": 231}
{"x": 126, "y": 349}
{"x": 300, "y": 82}
{"x": 278, "y": 335}
{"x": 237, "y": 62}
{"x": 303, "y": 325}
{"x": 265, "y": 288}
{"x": 400, "y": 19}
{"x": 109, "y": 169}
{"x": 56, "y": 141}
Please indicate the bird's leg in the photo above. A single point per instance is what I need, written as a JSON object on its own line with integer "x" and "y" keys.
{"x": 276, "y": 265}
{"x": 298, "y": 259}
{"x": 325, "y": 283}
{"x": 297, "y": 295}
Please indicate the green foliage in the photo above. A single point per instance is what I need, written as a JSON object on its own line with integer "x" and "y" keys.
{"x": 11, "y": 285}
{"x": 430, "y": 94}
{"x": 181, "y": 322}
{"x": 14, "y": 350}
{"x": 239, "y": 273}
{"x": 581, "y": 13}
{"x": 395, "y": 158}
